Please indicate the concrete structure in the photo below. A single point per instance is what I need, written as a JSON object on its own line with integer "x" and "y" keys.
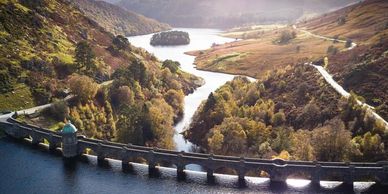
{"x": 278, "y": 170}
{"x": 69, "y": 141}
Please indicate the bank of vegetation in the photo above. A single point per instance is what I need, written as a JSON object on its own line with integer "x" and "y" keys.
{"x": 170, "y": 38}
{"x": 122, "y": 93}
{"x": 291, "y": 114}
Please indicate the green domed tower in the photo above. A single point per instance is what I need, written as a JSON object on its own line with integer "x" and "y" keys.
{"x": 69, "y": 141}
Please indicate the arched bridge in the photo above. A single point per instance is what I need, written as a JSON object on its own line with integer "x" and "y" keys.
{"x": 278, "y": 170}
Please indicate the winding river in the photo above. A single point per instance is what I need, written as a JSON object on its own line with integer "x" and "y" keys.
{"x": 200, "y": 39}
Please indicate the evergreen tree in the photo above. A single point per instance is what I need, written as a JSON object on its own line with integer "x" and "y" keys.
{"x": 84, "y": 56}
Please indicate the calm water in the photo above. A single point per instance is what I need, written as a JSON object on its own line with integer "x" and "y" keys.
{"x": 24, "y": 169}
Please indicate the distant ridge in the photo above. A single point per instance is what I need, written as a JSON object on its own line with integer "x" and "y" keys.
{"x": 117, "y": 20}
{"x": 228, "y": 13}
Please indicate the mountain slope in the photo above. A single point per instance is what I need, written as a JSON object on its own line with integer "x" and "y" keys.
{"x": 117, "y": 20}
{"x": 226, "y": 13}
{"x": 363, "y": 69}
{"x": 363, "y": 22}
{"x": 49, "y": 46}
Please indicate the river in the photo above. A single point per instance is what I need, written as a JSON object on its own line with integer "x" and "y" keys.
{"x": 27, "y": 169}
{"x": 200, "y": 39}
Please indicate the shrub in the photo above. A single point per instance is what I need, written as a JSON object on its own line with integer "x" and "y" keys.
{"x": 332, "y": 50}
{"x": 59, "y": 110}
{"x": 341, "y": 20}
{"x": 5, "y": 82}
{"x": 83, "y": 87}
{"x": 348, "y": 43}
{"x": 41, "y": 95}
{"x": 121, "y": 43}
{"x": 286, "y": 36}
{"x": 173, "y": 66}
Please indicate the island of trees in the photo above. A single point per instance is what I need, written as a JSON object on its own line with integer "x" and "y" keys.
{"x": 170, "y": 38}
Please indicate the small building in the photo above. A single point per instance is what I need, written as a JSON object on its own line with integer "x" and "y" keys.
{"x": 69, "y": 141}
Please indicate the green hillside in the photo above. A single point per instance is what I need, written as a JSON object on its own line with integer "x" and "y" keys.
{"x": 48, "y": 46}
{"x": 117, "y": 20}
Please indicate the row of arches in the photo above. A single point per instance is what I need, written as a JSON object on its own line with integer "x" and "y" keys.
{"x": 255, "y": 172}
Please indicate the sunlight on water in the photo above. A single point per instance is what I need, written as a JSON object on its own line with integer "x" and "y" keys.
{"x": 298, "y": 183}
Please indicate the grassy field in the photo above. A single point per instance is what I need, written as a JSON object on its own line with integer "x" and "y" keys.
{"x": 20, "y": 98}
{"x": 42, "y": 121}
{"x": 257, "y": 56}
{"x": 251, "y": 31}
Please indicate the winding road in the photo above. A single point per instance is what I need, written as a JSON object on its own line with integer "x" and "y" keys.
{"x": 337, "y": 87}
{"x": 4, "y": 117}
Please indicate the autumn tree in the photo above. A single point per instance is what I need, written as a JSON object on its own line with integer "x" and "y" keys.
{"x": 176, "y": 100}
{"x": 83, "y": 87}
{"x": 368, "y": 147}
{"x": 121, "y": 43}
{"x": 278, "y": 119}
{"x": 302, "y": 148}
{"x": 234, "y": 138}
{"x": 332, "y": 141}
{"x": 160, "y": 121}
{"x": 130, "y": 125}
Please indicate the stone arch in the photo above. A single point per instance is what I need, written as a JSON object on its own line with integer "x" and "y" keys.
{"x": 46, "y": 141}
{"x": 226, "y": 170}
{"x": 300, "y": 175}
{"x": 258, "y": 172}
{"x": 165, "y": 163}
{"x": 367, "y": 177}
{"x": 88, "y": 150}
{"x": 197, "y": 167}
{"x": 36, "y": 139}
{"x": 332, "y": 175}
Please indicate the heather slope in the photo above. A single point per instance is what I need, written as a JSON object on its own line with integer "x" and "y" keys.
{"x": 117, "y": 20}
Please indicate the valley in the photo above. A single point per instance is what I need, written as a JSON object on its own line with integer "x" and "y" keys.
{"x": 283, "y": 84}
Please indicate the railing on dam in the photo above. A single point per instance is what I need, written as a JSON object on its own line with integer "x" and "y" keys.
{"x": 278, "y": 170}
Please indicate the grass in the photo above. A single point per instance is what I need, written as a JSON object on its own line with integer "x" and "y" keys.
{"x": 56, "y": 126}
{"x": 251, "y": 31}
{"x": 224, "y": 61}
{"x": 20, "y": 98}
{"x": 255, "y": 57}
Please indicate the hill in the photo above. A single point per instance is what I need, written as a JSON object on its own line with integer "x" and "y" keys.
{"x": 117, "y": 20}
{"x": 292, "y": 114}
{"x": 227, "y": 13}
{"x": 363, "y": 69}
{"x": 261, "y": 52}
{"x": 363, "y": 22}
{"x": 49, "y": 46}
{"x": 358, "y": 70}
